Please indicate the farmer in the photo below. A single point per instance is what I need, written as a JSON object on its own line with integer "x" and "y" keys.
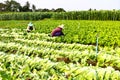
{"x": 30, "y": 27}
{"x": 57, "y": 31}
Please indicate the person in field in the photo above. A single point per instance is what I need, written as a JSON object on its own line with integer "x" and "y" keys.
{"x": 30, "y": 27}
{"x": 58, "y": 31}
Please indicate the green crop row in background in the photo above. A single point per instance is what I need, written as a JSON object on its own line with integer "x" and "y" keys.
{"x": 73, "y": 15}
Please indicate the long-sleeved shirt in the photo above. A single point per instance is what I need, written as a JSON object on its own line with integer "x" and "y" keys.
{"x": 57, "y": 30}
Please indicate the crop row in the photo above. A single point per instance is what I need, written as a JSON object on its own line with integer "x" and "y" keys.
{"x": 83, "y": 57}
{"x": 42, "y": 39}
{"x": 46, "y": 52}
{"x": 37, "y": 56}
{"x": 72, "y": 15}
{"x": 18, "y": 33}
{"x": 38, "y": 39}
{"x": 24, "y": 67}
{"x": 83, "y": 32}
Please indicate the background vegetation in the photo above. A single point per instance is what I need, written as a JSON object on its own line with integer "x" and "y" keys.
{"x": 76, "y": 31}
{"x": 73, "y": 15}
{"x": 13, "y": 6}
{"x": 8, "y": 11}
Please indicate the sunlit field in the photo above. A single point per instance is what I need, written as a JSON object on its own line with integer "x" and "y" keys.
{"x": 35, "y": 55}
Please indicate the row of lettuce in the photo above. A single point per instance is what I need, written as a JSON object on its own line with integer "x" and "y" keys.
{"x": 76, "y": 31}
{"x": 20, "y": 43}
{"x": 24, "y": 57}
{"x": 84, "y": 32}
{"x": 24, "y": 67}
{"x": 72, "y": 15}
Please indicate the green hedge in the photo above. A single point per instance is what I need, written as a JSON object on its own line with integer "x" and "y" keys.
{"x": 88, "y": 15}
{"x": 73, "y": 15}
{"x": 25, "y": 16}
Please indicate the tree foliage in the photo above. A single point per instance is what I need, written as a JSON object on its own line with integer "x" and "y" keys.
{"x": 2, "y": 7}
{"x": 14, "y": 6}
{"x": 26, "y": 7}
{"x": 33, "y": 8}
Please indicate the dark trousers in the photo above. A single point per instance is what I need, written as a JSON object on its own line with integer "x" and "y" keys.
{"x": 58, "y": 34}
{"x": 30, "y": 28}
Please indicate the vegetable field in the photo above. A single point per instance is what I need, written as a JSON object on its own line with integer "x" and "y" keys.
{"x": 76, "y": 31}
{"x": 36, "y": 56}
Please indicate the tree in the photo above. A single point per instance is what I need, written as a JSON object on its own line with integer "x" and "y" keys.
{"x": 33, "y": 8}
{"x": 12, "y": 6}
{"x": 2, "y": 7}
{"x": 60, "y": 10}
{"x": 8, "y": 5}
{"x": 90, "y": 9}
{"x": 45, "y": 10}
{"x": 39, "y": 10}
{"x": 53, "y": 10}
{"x": 15, "y": 6}
{"x": 95, "y": 9}
{"x": 26, "y": 7}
